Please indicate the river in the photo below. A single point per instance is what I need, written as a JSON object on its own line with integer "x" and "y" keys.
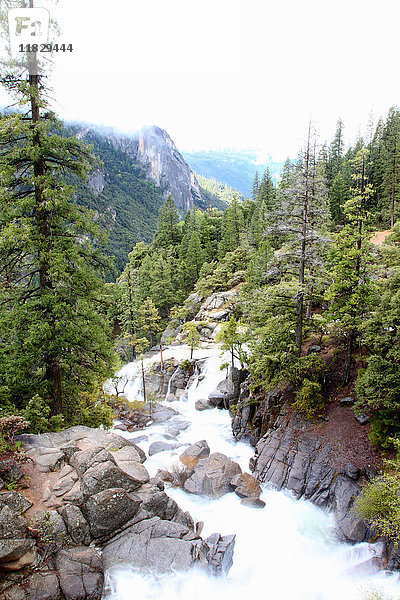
{"x": 285, "y": 551}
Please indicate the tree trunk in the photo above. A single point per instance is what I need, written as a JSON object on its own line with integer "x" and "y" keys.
{"x": 300, "y": 295}
{"x": 392, "y": 210}
{"x": 349, "y": 354}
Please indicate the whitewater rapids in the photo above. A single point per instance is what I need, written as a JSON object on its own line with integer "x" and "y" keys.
{"x": 285, "y": 551}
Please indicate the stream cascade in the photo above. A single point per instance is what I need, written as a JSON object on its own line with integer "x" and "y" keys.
{"x": 285, "y": 551}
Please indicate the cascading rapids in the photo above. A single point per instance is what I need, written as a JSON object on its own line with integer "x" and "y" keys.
{"x": 285, "y": 551}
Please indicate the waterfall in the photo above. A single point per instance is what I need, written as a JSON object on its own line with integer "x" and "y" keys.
{"x": 286, "y": 551}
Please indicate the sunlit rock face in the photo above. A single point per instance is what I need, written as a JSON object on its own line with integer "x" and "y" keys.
{"x": 166, "y": 167}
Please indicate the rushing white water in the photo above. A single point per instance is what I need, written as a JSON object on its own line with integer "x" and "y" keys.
{"x": 285, "y": 551}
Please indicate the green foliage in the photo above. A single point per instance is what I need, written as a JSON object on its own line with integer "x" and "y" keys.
{"x": 127, "y": 206}
{"x": 37, "y": 413}
{"x": 52, "y": 328}
{"x": 379, "y": 502}
{"x": 378, "y": 387}
{"x": 233, "y": 339}
{"x": 308, "y": 399}
{"x": 192, "y": 336}
{"x": 217, "y": 194}
{"x": 92, "y": 410}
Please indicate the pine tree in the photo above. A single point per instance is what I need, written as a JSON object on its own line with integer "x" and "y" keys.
{"x": 391, "y": 157}
{"x": 336, "y": 152}
{"x": 149, "y": 320}
{"x": 168, "y": 230}
{"x": 255, "y": 187}
{"x": 300, "y": 220}
{"x": 349, "y": 292}
{"x": 54, "y": 337}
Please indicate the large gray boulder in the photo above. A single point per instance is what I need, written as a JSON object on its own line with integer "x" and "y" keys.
{"x": 108, "y": 510}
{"x": 80, "y": 573}
{"x": 80, "y": 432}
{"x": 77, "y": 526}
{"x": 212, "y": 476}
{"x": 155, "y": 544}
{"x": 106, "y": 475}
{"x": 157, "y": 447}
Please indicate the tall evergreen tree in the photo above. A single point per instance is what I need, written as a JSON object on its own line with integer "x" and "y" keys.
{"x": 168, "y": 230}
{"x": 391, "y": 156}
{"x": 349, "y": 292}
{"x": 53, "y": 335}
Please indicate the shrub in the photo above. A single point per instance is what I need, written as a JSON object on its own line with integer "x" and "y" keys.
{"x": 309, "y": 399}
{"x": 10, "y": 426}
{"x": 38, "y": 414}
{"x": 379, "y": 501}
{"x": 179, "y": 474}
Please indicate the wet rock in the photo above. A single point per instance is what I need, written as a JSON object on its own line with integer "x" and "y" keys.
{"x": 160, "y": 414}
{"x": 217, "y": 399}
{"x": 203, "y": 404}
{"x": 212, "y": 476}
{"x": 108, "y": 510}
{"x": 157, "y": 447}
{"x": 175, "y": 427}
{"x": 156, "y": 503}
{"x": 77, "y": 526}
{"x": 246, "y": 486}
{"x": 107, "y": 475}
{"x": 287, "y": 456}
{"x": 352, "y": 471}
{"x": 141, "y": 438}
{"x": 121, "y": 427}
{"x": 191, "y": 456}
{"x": 154, "y": 544}
{"x": 253, "y": 502}
{"x": 220, "y": 553}
{"x": 80, "y": 573}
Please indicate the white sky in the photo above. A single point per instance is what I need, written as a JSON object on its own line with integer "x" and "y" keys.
{"x": 229, "y": 73}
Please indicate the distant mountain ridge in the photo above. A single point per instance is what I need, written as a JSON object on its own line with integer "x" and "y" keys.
{"x": 236, "y": 168}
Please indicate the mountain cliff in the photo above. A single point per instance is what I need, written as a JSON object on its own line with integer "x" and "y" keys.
{"x": 165, "y": 166}
{"x": 136, "y": 175}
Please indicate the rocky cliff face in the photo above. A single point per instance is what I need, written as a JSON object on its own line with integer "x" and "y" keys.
{"x": 325, "y": 461}
{"x": 166, "y": 167}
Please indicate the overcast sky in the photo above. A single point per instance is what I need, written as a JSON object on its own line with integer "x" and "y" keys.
{"x": 228, "y": 73}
